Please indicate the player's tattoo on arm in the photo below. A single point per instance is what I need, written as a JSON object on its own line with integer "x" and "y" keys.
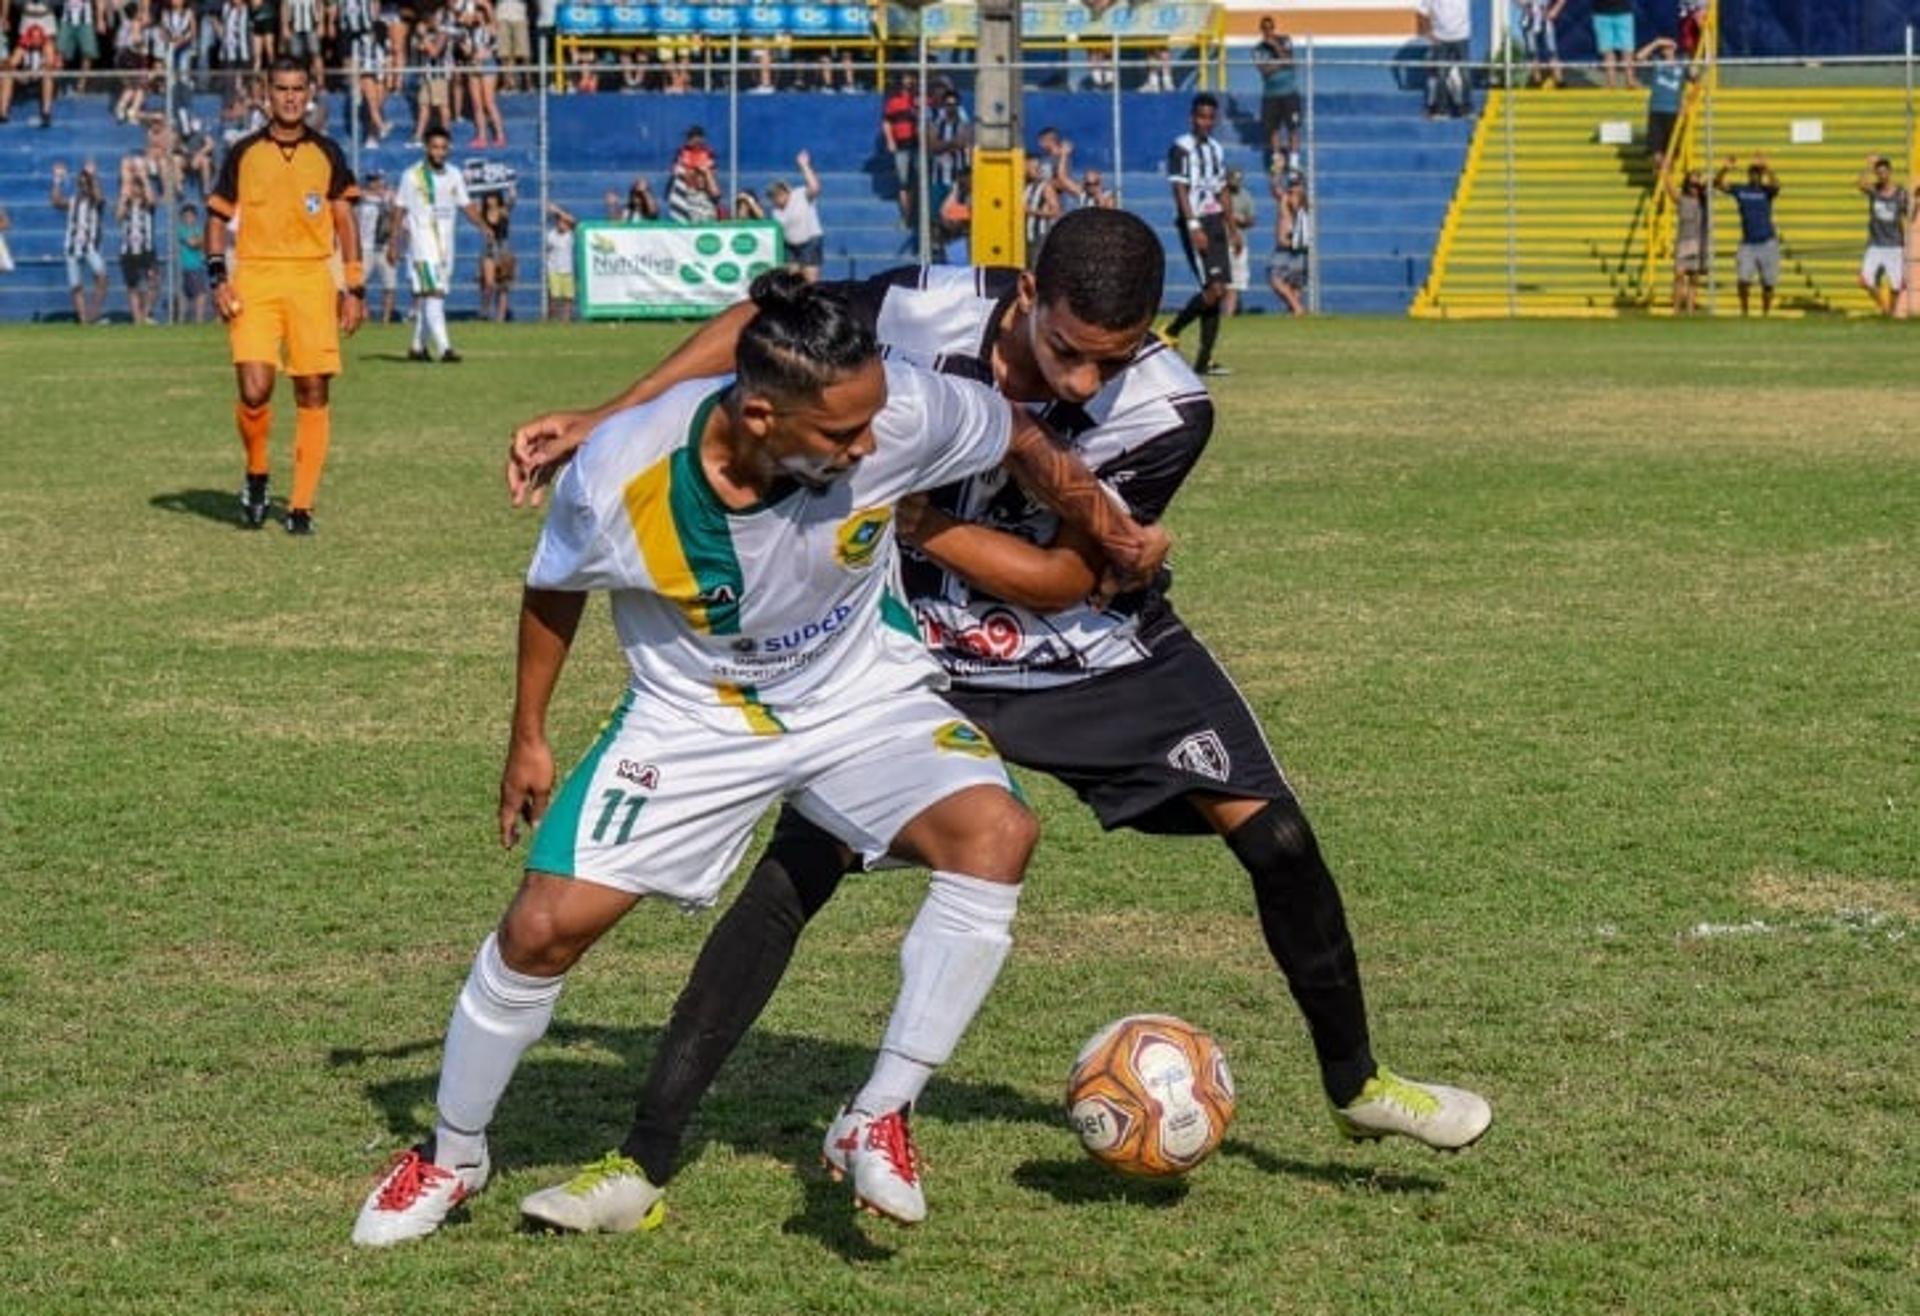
{"x": 1062, "y": 481}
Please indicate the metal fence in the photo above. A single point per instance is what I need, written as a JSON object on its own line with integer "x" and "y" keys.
{"x": 1536, "y": 200}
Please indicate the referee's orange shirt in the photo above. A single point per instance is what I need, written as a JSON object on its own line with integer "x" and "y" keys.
{"x": 282, "y": 194}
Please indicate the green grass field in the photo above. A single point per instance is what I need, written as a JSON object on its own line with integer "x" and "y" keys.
{"x": 1594, "y": 651}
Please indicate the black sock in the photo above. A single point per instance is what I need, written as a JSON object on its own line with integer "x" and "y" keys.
{"x": 1306, "y": 931}
{"x": 1195, "y": 308}
{"x": 256, "y": 488}
{"x": 1209, "y": 334}
{"x": 732, "y": 981}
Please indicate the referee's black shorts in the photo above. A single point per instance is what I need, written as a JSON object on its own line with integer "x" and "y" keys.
{"x": 1214, "y": 265}
{"x": 1134, "y": 743}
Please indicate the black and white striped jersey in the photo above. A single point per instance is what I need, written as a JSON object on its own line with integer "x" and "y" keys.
{"x": 1202, "y": 166}
{"x": 83, "y": 224}
{"x": 1037, "y": 225}
{"x": 136, "y": 228}
{"x": 356, "y": 16}
{"x": 1141, "y": 435}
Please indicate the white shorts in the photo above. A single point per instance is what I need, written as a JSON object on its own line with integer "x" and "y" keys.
{"x": 430, "y": 276}
{"x": 1240, "y": 267}
{"x": 380, "y": 270}
{"x": 89, "y": 260}
{"x": 665, "y": 805}
{"x": 1890, "y": 261}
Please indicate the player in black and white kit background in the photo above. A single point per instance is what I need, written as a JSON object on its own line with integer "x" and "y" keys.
{"x": 1122, "y": 703}
{"x": 1197, "y": 171}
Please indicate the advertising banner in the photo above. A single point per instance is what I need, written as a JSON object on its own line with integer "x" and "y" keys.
{"x": 671, "y": 271}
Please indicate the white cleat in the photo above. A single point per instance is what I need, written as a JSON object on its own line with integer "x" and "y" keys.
{"x": 879, "y": 1154}
{"x": 1444, "y": 1118}
{"x": 414, "y": 1197}
{"x": 610, "y": 1196}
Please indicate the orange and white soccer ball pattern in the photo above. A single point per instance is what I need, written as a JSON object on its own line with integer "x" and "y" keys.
{"x": 1150, "y": 1095}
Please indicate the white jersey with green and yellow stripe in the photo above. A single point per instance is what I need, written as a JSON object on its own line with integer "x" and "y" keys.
{"x": 429, "y": 202}
{"x": 782, "y": 614}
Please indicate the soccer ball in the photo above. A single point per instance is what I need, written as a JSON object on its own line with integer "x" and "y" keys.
{"x": 1150, "y": 1095}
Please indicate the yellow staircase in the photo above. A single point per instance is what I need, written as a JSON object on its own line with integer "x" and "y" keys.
{"x": 1583, "y": 213}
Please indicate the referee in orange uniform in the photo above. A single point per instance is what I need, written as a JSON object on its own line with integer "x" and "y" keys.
{"x": 292, "y": 194}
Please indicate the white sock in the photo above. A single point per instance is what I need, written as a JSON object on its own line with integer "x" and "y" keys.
{"x": 499, "y": 1015}
{"x": 437, "y": 324}
{"x": 948, "y": 963}
{"x": 420, "y": 325}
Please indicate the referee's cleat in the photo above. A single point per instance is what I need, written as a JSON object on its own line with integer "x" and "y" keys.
{"x": 252, "y": 515}
{"x": 451, "y": 358}
{"x": 300, "y": 522}
{"x": 610, "y": 1196}
{"x": 1444, "y": 1118}
{"x": 415, "y": 1197}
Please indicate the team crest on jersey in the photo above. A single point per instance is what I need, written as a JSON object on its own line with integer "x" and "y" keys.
{"x": 1203, "y": 755}
{"x": 643, "y": 775}
{"x": 958, "y": 737}
{"x": 858, "y": 538}
{"x": 313, "y": 203}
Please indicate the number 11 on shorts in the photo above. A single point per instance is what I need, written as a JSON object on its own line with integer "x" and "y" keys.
{"x": 614, "y": 800}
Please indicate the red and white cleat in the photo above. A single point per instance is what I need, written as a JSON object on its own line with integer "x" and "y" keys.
{"x": 879, "y": 1154}
{"x": 414, "y": 1197}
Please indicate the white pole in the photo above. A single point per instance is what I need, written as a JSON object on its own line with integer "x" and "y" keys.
{"x": 1513, "y": 251}
{"x": 1119, "y": 153}
{"x": 920, "y": 156}
{"x": 1313, "y": 197}
{"x": 170, "y": 207}
{"x": 540, "y": 167}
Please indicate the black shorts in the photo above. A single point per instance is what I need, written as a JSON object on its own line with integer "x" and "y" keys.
{"x": 136, "y": 269}
{"x": 1214, "y": 266}
{"x": 1659, "y": 131}
{"x": 1278, "y": 112}
{"x": 812, "y": 252}
{"x": 1134, "y": 743}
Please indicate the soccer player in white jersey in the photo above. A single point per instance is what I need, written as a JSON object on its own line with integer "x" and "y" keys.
{"x": 1122, "y": 703}
{"x": 430, "y": 198}
{"x": 743, "y": 526}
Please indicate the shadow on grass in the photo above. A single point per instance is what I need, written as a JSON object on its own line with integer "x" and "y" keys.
{"x": 221, "y": 505}
{"x": 774, "y": 1098}
{"x": 574, "y": 1096}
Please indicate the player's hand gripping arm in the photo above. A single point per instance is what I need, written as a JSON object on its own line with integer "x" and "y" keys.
{"x": 1054, "y": 476}
{"x": 1044, "y": 577}
{"x": 548, "y": 620}
{"x": 542, "y": 445}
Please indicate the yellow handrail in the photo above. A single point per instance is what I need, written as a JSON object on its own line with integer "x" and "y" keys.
{"x": 1426, "y": 302}
{"x": 1681, "y": 153}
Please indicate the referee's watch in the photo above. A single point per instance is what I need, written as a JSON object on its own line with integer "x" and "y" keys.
{"x": 1193, "y": 224}
{"x": 358, "y": 290}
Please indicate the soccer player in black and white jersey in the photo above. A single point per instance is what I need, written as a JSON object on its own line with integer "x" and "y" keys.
{"x": 1122, "y": 702}
{"x": 1197, "y": 171}
{"x": 85, "y": 209}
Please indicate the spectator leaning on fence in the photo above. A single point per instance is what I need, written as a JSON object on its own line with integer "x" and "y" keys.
{"x": 1279, "y": 91}
{"x": 1668, "y": 81}
{"x": 1613, "y": 38}
{"x": 1692, "y": 249}
{"x": 1757, "y": 258}
{"x": 85, "y": 209}
{"x": 1536, "y": 19}
{"x": 1448, "y": 28}
{"x": 799, "y": 220}
{"x": 1240, "y": 221}
{"x": 693, "y": 195}
{"x": 1886, "y": 256}
{"x": 1292, "y": 236}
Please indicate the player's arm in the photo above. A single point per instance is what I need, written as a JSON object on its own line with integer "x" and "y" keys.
{"x": 1045, "y": 577}
{"x": 543, "y": 443}
{"x": 1054, "y": 476}
{"x": 353, "y": 302}
{"x": 548, "y": 621}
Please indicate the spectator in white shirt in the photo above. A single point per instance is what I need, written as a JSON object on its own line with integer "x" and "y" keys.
{"x": 799, "y": 221}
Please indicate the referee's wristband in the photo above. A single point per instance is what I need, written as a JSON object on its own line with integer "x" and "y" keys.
{"x": 216, "y": 270}
{"x": 358, "y": 290}
{"x": 356, "y": 275}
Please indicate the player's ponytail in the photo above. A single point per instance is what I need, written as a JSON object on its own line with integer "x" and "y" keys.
{"x": 805, "y": 336}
